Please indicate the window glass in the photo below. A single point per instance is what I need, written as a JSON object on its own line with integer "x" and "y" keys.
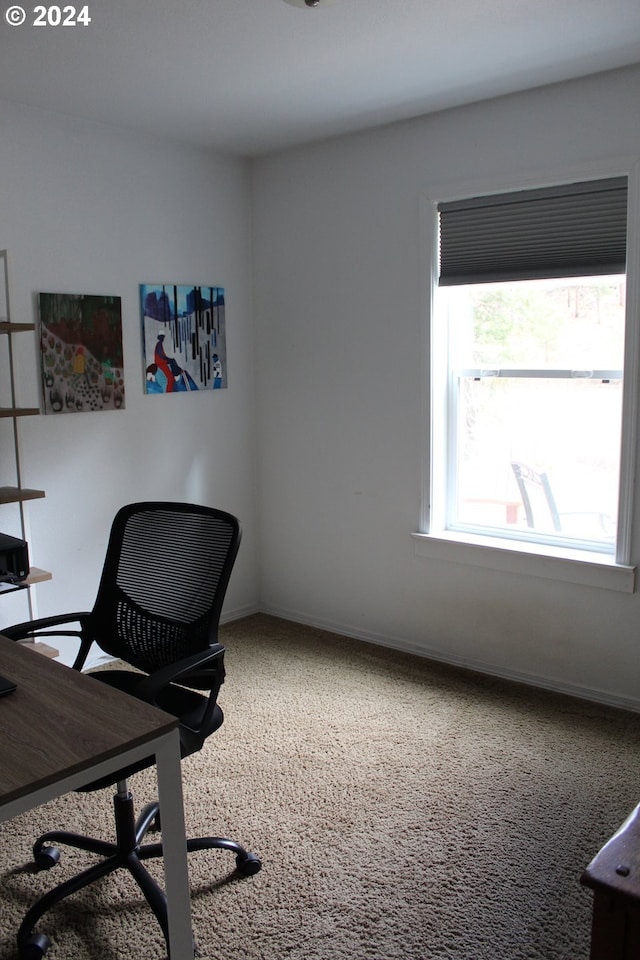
{"x": 534, "y": 407}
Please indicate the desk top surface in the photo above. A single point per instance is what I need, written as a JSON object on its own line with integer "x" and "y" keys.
{"x": 59, "y": 721}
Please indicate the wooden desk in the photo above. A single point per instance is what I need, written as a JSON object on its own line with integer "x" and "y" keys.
{"x": 62, "y": 729}
{"x": 614, "y": 877}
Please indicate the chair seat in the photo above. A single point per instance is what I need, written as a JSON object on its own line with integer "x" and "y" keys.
{"x": 179, "y": 701}
{"x": 188, "y": 705}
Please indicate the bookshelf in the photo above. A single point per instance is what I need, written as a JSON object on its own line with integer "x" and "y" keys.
{"x": 15, "y": 492}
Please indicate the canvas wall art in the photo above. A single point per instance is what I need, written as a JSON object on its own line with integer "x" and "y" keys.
{"x": 184, "y": 338}
{"x": 81, "y": 353}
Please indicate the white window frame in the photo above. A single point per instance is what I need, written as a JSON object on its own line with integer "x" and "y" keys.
{"x": 555, "y": 561}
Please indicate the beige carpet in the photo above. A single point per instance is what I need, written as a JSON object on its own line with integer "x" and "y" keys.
{"x": 403, "y": 811}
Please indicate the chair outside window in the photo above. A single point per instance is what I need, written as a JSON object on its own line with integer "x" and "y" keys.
{"x": 542, "y": 514}
{"x": 540, "y": 508}
{"x": 158, "y": 606}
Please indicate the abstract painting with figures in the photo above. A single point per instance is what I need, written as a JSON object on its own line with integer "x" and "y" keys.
{"x": 81, "y": 353}
{"x": 183, "y": 338}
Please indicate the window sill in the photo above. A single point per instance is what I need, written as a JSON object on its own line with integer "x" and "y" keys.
{"x": 508, "y": 556}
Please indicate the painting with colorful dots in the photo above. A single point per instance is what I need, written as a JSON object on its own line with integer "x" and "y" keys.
{"x": 81, "y": 353}
{"x": 183, "y": 338}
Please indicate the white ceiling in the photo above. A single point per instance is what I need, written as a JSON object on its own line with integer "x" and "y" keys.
{"x": 252, "y": 76}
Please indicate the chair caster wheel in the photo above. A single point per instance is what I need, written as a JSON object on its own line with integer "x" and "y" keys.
{"x": 46, "y": 858}
{"x": 249, "y": 864}
{"x": 34, "y": 947}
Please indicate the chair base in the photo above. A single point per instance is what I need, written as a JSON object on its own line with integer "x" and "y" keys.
{"x": 127, "y": 852}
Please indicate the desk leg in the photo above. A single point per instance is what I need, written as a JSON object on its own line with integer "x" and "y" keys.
{"x": 174, "y": 847}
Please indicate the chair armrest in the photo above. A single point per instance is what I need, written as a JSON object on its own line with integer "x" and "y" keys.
{"x": 149, "y": 688}
{"x": 211, "y": 659}
{"x": 31, "y": 629}
{"x": 34, "y": 628}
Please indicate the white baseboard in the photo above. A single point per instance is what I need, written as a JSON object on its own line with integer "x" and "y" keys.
{"x": 592, "y": 694}
{"x": 237, "y": 613}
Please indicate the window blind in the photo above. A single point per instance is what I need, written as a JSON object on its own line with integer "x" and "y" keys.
{"x": 572, "y": 230}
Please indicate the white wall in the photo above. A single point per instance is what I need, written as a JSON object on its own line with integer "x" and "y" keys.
{"x": 86, "y": 208}
{"x": 339, "y": 336}
{"x": 340, "y": 340}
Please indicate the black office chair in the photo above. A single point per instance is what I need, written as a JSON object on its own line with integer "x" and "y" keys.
{"x": 159, "y": 601}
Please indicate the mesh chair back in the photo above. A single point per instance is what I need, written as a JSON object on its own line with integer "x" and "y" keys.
{"x": 163, "y": 583}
